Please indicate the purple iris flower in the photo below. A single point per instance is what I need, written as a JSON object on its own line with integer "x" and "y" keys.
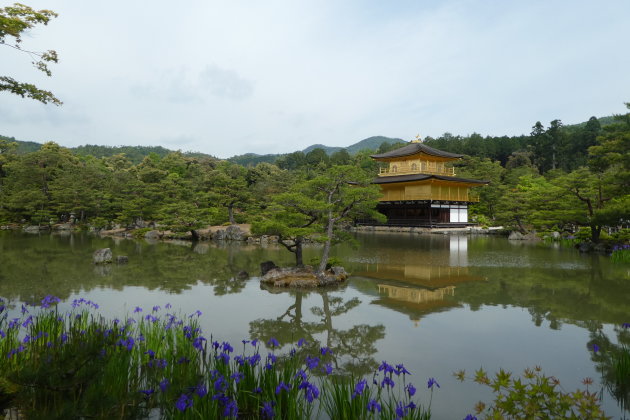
{"x": 237, "y": 377}
{"x": 227, "y": 347}
{"x": 386, "y": 367}
{"x": 224, "y": 357}
{"x": 374, "y": 406}
{"x": 183, "y": 402}
{"x": 401, "y": 410}
{"x": 301, "y": 374}
{"x": 432, "y": 382}
{"x": 327, "y": 369}
{"x": 401, "y": 369}
{"x": 281, "y": 386}
{"x": 273, "y": 342}
{"x": 311, "y": 392}
{"x": 230, "y": 409}
{"x": 359, "y": 388}
{"x": 201, "y": 390}
{"x": 387, "y": 382}
{"x": 267, "y": 410}
{"x": 49, "y": 300}
{"x": 411, "y": 390}
{"x": 312, "y": 362}
{"x": 198, "y": 343}
{"x": 254, "y": 359}
{"x": 164, "y": 384}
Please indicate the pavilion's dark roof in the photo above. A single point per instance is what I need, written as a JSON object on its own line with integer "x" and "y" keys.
{"x": 414, "y": 148}
{"x": 422, "y": 177}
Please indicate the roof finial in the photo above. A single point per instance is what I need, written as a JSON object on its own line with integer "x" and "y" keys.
{"x": 417, "y": 139}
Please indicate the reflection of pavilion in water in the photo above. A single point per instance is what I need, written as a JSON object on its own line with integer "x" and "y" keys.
{"x": 419, "y": 283}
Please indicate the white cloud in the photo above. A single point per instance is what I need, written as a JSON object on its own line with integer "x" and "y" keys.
{"x": 236, "y": 77}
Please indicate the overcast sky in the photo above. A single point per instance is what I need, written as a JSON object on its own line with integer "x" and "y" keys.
{"x": 232, "y": 77}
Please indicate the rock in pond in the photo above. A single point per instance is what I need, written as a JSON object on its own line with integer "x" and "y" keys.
{"x": 303, "y": 277}
{"x": 515, "y": 236}
{"x": 102, "y": 256}
{"x": 153, "y": 234}
{"x": 266, "y": 266}
{"x": 122, "y": 259}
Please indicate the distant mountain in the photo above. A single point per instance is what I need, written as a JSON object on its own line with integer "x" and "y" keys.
{"x": 328, "y": 149}
{"x": 603, "y": 121}
{"x": 23, "y": 147}
{"x": 371, "y": 143}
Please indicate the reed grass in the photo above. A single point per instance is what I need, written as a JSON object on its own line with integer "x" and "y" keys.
{"x": 156, "y": 364}
{"x": 621, "y": 254}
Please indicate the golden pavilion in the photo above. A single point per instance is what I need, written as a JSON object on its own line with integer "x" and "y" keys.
{"x": 420, "y": 187}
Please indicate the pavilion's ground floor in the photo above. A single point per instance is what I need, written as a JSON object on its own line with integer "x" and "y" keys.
{"x": 423, "y": 213}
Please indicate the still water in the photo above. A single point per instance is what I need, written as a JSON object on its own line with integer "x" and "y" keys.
{"x": 435, "y": 303}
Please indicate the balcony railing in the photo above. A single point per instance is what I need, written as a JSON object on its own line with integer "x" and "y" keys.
{"x": 423, "y": 168}
{"x": 471, "y": 197}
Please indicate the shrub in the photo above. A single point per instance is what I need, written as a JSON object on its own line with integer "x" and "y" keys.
{"x": 535, "y": 397}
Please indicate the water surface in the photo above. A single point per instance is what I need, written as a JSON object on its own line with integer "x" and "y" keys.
{"x": 436, "y": 303}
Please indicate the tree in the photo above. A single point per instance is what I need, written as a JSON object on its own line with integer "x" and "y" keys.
{"x": 292, "y": 216}
{"x": 228, "y": 186}
{"x": 478, "y": 168}
{"x": 30, "y": 182}
{"x": 14, "y": 21}
{"x": 344, "y": 193}
{"x": 316, "y": 157}
{"x": 320, "y": 206}
{"x": 340, "y": 157}
{"x": 7, "y": 155}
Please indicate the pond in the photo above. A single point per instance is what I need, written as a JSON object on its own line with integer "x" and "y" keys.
{"x": 436, "y": 303}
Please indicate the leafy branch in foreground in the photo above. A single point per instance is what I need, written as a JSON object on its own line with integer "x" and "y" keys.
{"x": 14, "y": 21}
{"x": 534, "y": 397}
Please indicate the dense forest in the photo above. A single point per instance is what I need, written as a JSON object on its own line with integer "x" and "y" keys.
{"x": 558, "y": 177}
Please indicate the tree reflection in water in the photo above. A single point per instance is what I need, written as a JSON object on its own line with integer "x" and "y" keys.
{"x": 612, "y": 361}
{"x": 354, "y": 348}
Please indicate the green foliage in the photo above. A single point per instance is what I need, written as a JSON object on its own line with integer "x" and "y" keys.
{"x": 621, "y": 236}
{"x": 14, "y": 21}
{"x": 533, "y": 396}
{"x": 185, "y": 191}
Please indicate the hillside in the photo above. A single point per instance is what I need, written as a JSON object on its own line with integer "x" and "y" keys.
{"x": 371, "y": 143}
{"x": 252, "y": 159}
{"x": 137, "y": 153}
{"x": 134, "y": 153}
{"x": 328, "y": 149}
